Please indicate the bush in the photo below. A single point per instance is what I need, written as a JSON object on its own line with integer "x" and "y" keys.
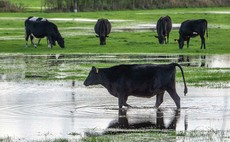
{"x": 6, "y": 6}
{"x": 58, "y": 5}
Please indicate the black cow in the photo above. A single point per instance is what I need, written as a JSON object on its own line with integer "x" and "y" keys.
{"x": 41, "y": 29}
{"x": 102, "y": 29}
{"x": 164, "y": 26}
{"x": 193, "y": 28}
{"x": 144, "y": 80}
{"x": 32, "y": 18}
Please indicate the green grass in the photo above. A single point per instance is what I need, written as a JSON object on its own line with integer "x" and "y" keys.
{"x": 169, "y": 136}
{"x": 84, "y": 41}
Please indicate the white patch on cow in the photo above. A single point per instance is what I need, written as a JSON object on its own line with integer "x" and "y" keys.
{"x": 44, "y": 19}
{"x": 33, "y": 19}
{"x": 195, "y": 33}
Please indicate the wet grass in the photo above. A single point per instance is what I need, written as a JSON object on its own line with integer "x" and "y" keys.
{"x": 169, "y": 136}
{"x": 84, "y": 41}
{"x": 205, "y": 77}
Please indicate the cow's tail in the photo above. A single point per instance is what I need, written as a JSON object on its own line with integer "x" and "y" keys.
{"x": 206, "y": 28}
{"x": 185, "y": 86}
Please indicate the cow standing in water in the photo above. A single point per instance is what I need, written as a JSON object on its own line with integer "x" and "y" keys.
{"x": 41, "y": 29}
{"x": 164, "y": 26}
{"x": 102, "y": 29}
{"x": 140, "y": 80}
{"x": 193, "y": 28}
{"x": 32, "y": 18}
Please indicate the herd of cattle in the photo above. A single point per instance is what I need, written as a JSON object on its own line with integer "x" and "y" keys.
{"x": 41, "y": 27}
{"x": 122, "y": 81}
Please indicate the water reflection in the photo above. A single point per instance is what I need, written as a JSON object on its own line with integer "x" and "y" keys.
{"x": 144, "y": 123}
{"x": 56, "y": 66}
{"x": 193, "y": 61}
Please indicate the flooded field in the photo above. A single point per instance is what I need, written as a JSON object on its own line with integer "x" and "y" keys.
{"x": 43, "y": 97}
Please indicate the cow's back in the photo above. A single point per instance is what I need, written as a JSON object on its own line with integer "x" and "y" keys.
{"x": 164, "y": 25}
{"x": 143, "y": 77}
{"x": 188, "y": 27}
{"x": 102, "y": 27}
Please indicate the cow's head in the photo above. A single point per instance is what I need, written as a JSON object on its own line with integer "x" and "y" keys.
{"x": 61, "y": 42}
{"x": 102, "y": 39}
{"x": 161, "y": 39}
{"x": 180, "y": 42}
{"x": 93, "y": 77}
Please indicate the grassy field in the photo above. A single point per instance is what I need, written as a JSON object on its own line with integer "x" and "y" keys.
{"x": 80, "y": 37}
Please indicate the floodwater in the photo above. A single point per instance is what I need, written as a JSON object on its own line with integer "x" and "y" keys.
{"x": 35, "y": 109}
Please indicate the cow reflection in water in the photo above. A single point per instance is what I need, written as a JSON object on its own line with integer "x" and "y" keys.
{"x": 123, "y": 122}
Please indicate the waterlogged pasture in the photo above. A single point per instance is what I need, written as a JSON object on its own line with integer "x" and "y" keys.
{"x": 42, "y": 95}
{"x": 43, "y": 98}
{"x": 132, "y": 31}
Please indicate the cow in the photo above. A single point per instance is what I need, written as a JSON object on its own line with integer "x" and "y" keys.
{"x": 102, "y": 28}
{"x": 41, "y": 29}
{"x": 193, "y": 28}
{"x": 140, "y": 80}
{"x": 32, "y": 18}
{"x": 164, "y": 26}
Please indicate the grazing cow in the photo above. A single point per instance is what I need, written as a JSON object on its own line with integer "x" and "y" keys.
{"x": 193, "y": 28}
{"x": 102, "y": 29}
{"x": 32, "y": 18}
{"x": 164, "y": 26}
{"x": 143, "y": 80}
{"x": 41, "y": 29}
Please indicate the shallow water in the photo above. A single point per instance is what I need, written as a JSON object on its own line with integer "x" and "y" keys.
{"x": 43, "y": 110}
{"x": 32, "y": 109}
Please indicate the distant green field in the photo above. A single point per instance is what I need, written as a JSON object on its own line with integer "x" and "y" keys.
{"x": 28, "y": 3}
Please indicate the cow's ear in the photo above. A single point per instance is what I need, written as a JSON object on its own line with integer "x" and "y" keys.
{"x": 156, "y": 36}
{"x": 94, "y": 69}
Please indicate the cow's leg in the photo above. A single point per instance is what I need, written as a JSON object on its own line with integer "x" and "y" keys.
{"x": 202, "y": 42}
{"x": 49, "y": 41}
{"x": 159, "y": 99}
{"x": 188, "y": 42}
{"x": 39, "y": 41}
{"x": 172, "y": 92}
{"x": 32, "y": 41}
{"x": 167, "y": 39}
{"x": 120, "y": 101}
{"x": 125, "y": 102}
{"x": 26, "y": 38}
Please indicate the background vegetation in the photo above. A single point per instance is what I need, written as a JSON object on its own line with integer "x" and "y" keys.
{"x": 96, "y": 5}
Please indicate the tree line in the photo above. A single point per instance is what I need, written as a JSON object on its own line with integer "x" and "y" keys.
{"x": 97, "y": 5}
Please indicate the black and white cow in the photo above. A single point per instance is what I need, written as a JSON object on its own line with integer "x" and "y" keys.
{"x": 164, "y": 26}
{"x": 102, "y": 29}
{"x": 32, "y": 18}
{"x": 140, "y": 80}
{"x": 41, "y": 29}
{"x": 193, "y": 28}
